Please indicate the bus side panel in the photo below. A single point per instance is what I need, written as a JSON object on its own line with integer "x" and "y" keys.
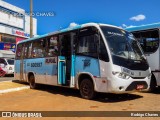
{"x": 154, "y": 63}
{"x": 37, "y": 67}
{"x": 17, "y": 70}
{"x": 87, "y": 64}
{"x": 44, "y": 69}
{"x": 105, "y": 76}
{"x": 51, "y": 70}
{"x": 154, "y": 56}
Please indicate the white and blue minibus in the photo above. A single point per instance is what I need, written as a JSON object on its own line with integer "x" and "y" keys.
{"x": 148, "y": 36}
{"x": 90, "y": 57}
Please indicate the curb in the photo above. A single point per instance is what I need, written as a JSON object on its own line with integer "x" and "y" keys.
{"x": 14, "y": 89}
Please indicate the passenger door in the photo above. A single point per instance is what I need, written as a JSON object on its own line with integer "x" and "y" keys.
{"x": 66, "y": 60}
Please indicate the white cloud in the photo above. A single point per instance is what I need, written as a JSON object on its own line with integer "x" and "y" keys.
{"x": 138, "y": 17}
{"x": 73, "y": 24}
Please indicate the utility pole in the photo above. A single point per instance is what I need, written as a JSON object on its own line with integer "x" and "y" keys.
{"x": 31, "y": 19}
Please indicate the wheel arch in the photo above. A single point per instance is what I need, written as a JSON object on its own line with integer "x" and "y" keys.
{"x": 29, "y": 74}
{"x": 82, "y": 76}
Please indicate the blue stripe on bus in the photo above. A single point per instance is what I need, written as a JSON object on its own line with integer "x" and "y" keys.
{"x": 42, "y": 68}
{"x": 61, "y": 70}
{"x": 73, "y": 66}
{"x": 34, "y": 38}
{"x": 72, "y": 28}
{"x": 143, "y": 27}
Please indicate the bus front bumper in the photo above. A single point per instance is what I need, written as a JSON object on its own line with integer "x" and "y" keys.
{"x": 118, "y": 85}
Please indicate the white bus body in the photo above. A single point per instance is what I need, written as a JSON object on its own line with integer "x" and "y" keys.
{"x": 90, "y": 57}
{"x": 149, "y": 37}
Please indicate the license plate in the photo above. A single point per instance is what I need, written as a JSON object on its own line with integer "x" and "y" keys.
{"x": 139, "y": 87}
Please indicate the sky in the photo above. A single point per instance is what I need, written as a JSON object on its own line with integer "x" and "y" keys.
{"x": 65, "y": 13}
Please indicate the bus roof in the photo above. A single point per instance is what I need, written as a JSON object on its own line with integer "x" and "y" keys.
{"x": 67, "y": 29}
{"x": 143, "y": 27}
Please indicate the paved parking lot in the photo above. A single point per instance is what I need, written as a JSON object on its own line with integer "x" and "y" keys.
{"x": 50, "y": 98}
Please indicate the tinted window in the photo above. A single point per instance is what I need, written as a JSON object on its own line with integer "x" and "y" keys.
{"x": 19, "y": 51}
{"x": 149, "y": 40}
{"x": 38, "y": 49}
{"x": 87, "y": 46}
{"x": 29, "y": 47}
{"x": 103, "y": 54}
{"x": 65, "y": 49}
{"x": 52, "y": 48}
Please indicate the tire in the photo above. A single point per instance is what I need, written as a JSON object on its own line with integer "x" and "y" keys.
{"x": 32, "y": 82}
{"x": 87, "y": 89}
{"x": 153, "y": 84}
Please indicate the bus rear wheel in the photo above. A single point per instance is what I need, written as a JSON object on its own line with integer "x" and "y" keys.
{"x": 153, "y": 84}
{"x": 87, "y": 89}
{"x": 32, "y": 82}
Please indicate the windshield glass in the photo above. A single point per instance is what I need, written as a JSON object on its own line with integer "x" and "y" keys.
{"x": 10, "y": 61}
{"x": 124, "y": 48}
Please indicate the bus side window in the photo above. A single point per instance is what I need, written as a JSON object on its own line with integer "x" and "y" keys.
{"x": 29, "y": 50}
{"x": 52, "y": 48}
{"x": 25, "y": 48}
{"x": 19, "y": 51}
{"x": 65, "y": 45}
{"x": 103, "y": 54}
{"x": 38, "y": 50}
{"x": 87, "y": 42}
{"x": 87, "y": 46}
{"x": 149, "y": 40}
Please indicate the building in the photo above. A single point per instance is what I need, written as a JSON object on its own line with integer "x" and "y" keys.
{"x": 14, "y": 25}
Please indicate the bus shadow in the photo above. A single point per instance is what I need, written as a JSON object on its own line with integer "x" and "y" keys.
{"x": 110, "y": 97}
{"x": 20, "y": 82}
{"x": 59, "y": 90}
{"x": 156, "y": 91}
{"x": 101, "y": 97}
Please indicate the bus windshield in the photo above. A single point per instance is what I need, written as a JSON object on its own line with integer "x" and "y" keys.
{"x": 123, "y": 46}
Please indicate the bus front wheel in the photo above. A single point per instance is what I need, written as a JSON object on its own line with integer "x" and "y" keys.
{"x": 32, "y": 82}
{"x": 87, "y": 89}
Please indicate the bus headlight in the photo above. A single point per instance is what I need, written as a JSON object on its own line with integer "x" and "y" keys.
{"x": 121, "y": 75}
